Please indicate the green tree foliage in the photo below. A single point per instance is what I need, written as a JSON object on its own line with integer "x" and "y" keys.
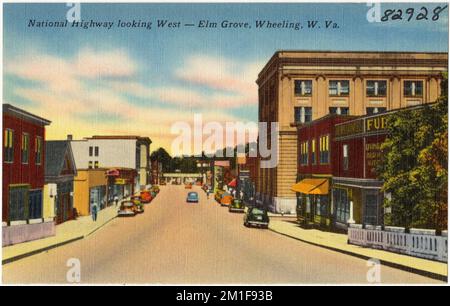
{"x": 188, "y": 164}
{"x": 414, "y": 166}
{"x": 162, "y": 157}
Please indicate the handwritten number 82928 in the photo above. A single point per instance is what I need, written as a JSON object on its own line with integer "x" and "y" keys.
{"x": 410, "y": 13}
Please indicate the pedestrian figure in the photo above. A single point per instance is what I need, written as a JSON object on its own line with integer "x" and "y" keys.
{"x": 207, "y": 193}
{"x": 116, "y": 200}
{"x": 94, "y": 212}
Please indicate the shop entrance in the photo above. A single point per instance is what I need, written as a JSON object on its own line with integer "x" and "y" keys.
{"x": 372, "y": 200}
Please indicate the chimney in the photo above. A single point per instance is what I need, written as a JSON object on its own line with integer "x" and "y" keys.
{"x": 70, "y": 137}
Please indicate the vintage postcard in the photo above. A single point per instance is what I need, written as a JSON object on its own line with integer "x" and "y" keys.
{"x": 196, "y": 143}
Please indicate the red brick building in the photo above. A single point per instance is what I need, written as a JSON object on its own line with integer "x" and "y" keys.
{"x": 23, "y": 176}
{"x": 356, "y": 189}
{"x": 317, "y": 162}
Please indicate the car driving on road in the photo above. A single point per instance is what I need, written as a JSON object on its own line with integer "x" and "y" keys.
{"x": 257, "y": 217}
{"x": 192, "y": 197}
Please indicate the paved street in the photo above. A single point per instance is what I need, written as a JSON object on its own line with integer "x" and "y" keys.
{"x": 175, "y": 242}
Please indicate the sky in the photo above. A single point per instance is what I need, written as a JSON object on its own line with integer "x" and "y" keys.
{"x": 140, "y": 82}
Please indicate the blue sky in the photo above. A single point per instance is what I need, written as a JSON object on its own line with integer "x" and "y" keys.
{"x": 85, "y": 79}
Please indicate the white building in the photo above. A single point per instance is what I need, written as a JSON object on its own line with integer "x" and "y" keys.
{"x": 114, "y": 152}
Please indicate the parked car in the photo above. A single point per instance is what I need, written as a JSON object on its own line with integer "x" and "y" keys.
{"x": 146, "y": 196}
{"x": 162, "y": 183}
{"x": 188, "y": 186}
{"x": 236, "y": 206}
{"x": 226, "y": 199}
{"x": 257, "y": 217}
{"x": 127, "y": 209}
{"x": 155, "y": 188}
{"x": 192, "y": 197}
{"x": 218, "y": 195}
{"x": 139, "y": 205}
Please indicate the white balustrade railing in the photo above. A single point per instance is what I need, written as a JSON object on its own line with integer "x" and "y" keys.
{"x": 418, "y": 243}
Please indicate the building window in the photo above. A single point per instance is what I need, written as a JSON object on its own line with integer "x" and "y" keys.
{"x": 345, "y": 157}
{"x": 38, "y": 150}
{"x": 8, "y": 153}
{"x": 376, "y": 88}
{"x": 91, "y": 150}
{"x": 412, "y": 88}
{"x": 96, "y": 164}
{"x": 304, "y": 153}
{"x": 371, "y": 211}
{"x": 339, "y": 88}
{"x": 342, "y": 204}
{"x": 324, "y": 149}
{"x": 303, "y": 87}
{"x": 375, "y": 110}
{"x": 66, "y": 164}
{"x": 18, "y": 199}
{"x": 302, "y": 114}
{"x": 90, "y": 164}
{"x": 313, "y": 151}
{"x": 35, "y": 202}
{"x": 322, "y": 206}
{"x": 339, "y": 110}
{"x": 96, "y": 151}
{"x": 25, "y": 148}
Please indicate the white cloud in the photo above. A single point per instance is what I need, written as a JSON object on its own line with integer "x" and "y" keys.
{"x": 76, "y": 104}
{"x": 218, "y": 73}
{"x": 94, "y": 64}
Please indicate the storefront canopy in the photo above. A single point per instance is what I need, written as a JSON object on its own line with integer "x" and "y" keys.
{"x": 311, "y": 186}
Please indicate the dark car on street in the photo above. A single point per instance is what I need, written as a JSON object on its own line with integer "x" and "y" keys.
{"x": 256, "y": 217}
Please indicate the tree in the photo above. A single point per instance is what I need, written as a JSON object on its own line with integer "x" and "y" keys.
{"x": 414, "y": 166}
{"x": 162, "y": 157}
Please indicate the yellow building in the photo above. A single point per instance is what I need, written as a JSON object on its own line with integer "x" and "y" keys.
{"x": 300, "y": 86}
{"x": 48, "y": 204}
{"x": 90, "y": 187}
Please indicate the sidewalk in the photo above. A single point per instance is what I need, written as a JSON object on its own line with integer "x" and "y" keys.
{"x": 338, "y": 242}
{"x": 65, "y": 233}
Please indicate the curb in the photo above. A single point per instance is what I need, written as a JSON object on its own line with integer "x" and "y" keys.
{"x": 44, "y": 249}
{"x": 37, "y": 251}
{"x": 101, "y": 226}
{"x": 429, "y": 274}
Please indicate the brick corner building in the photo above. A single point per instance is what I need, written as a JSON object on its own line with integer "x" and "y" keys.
{"x": 300, "y": 86}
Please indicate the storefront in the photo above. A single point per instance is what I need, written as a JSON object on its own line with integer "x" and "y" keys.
{"x": 316, "y": 165}
{"x": 90, "y": 188}
{"x": 356, "y": 190}
{"x": 97, "y": 197}
{"x": 121, "y": 183}
{"x": 313, "y": 202}
{"x": 62, "y": 196}
{"x": 357, "y": 203}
